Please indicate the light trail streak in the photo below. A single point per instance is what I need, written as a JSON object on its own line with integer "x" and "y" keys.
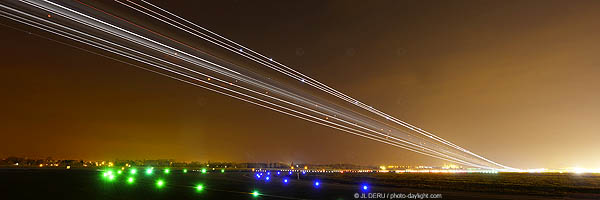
{"x": 352, "y": 131}
{"x": 292, "y": 73}
{"x": 363, "y": 132}
{"x": 83, "y": 24}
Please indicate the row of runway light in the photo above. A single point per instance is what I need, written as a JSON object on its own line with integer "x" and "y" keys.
{"x": 286, "y": 177}
{"x": 106, "y": 31}
{"x": 111, "y": 175}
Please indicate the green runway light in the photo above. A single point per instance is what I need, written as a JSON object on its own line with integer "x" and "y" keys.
{"x": 199, "y": 187}
{"x": 133, "y": 171}
{"x": 149, "y": 171}
{"x": 167, "y": 171}
{"x": 160, "y": 183}
{"x": 119, "y": 172}
{"x": 111, "y": 177}
{"x": 222, "y": 170}
{"x": 184, "y": 171}
{"x": 204, "y": 170}
{"x": 130, "y": 180}
{"x": 255, "y": 193}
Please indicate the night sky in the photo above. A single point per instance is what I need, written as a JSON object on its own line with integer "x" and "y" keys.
{"x": 513, "y": 81}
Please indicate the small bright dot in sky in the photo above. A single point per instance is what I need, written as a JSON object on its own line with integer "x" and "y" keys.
{"x": 199, "y": 187}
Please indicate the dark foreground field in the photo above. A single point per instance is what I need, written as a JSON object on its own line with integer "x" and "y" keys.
{"x": 89, "y": 184}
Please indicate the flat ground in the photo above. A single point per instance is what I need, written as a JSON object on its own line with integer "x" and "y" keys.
{"x": 90, "y": 184}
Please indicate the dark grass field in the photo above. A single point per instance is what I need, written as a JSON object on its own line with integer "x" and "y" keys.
{"x": 90, "y": 184}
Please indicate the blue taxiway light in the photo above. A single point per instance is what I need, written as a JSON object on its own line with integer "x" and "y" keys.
{"x": 317, "y": 183}
{"x": 365, "y": 187}
{"x": 285, "y": 180}
{"x": 267, "y": 178}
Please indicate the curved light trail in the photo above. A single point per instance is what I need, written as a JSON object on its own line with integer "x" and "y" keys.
{"x": 272, "y": 85}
